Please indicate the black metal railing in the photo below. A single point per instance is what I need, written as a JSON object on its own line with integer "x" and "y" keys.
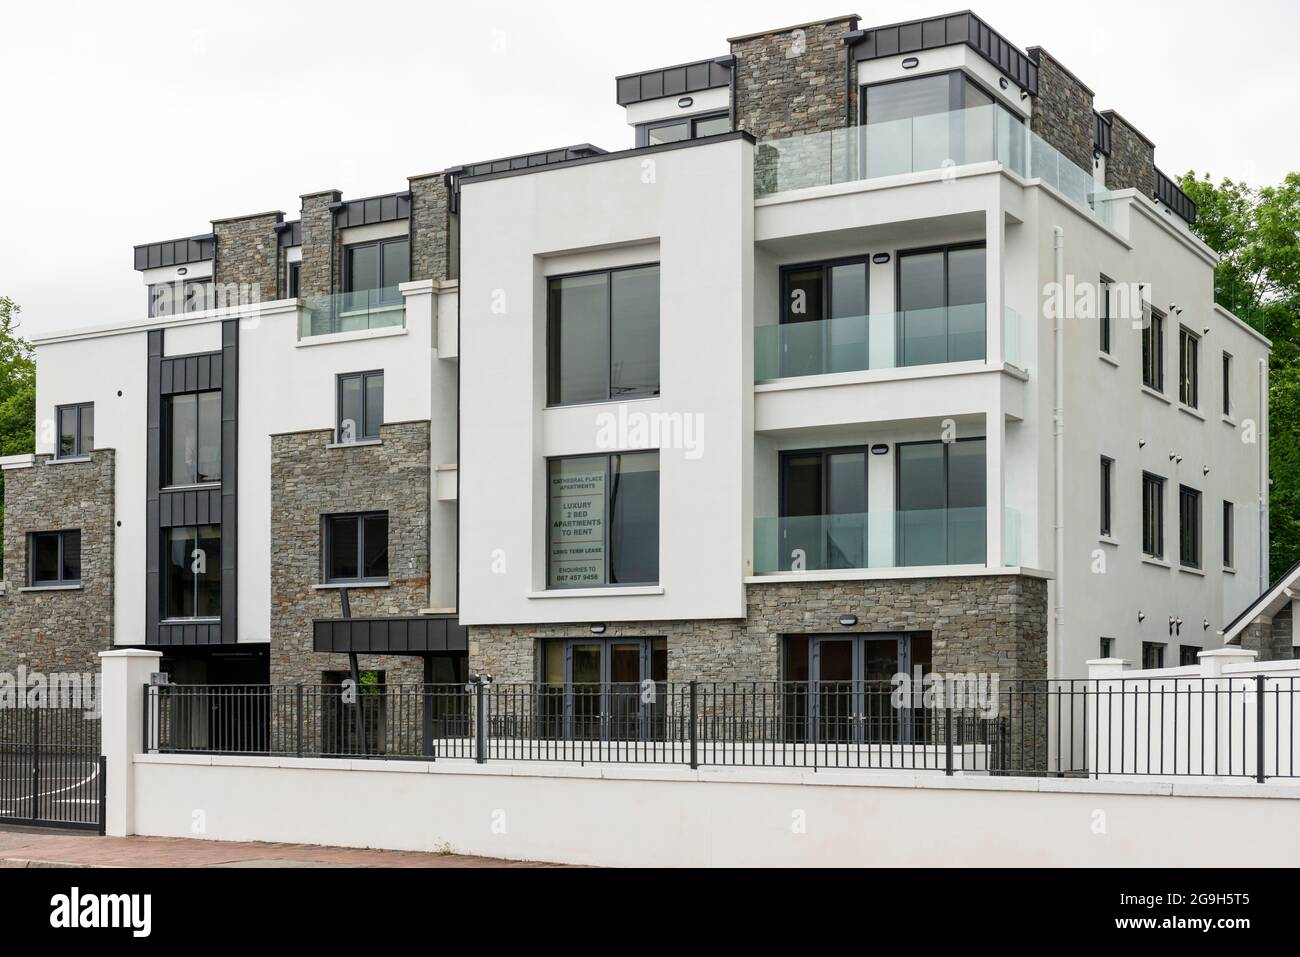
{"x": 51, "y": 770}
{"x": 1193, "y": 726}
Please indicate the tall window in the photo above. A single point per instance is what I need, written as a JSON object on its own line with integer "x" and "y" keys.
{"x": 1153, "y": 350}
{"x": 824, "y": 318}
{"x": 373, "y": 270}
{"x": 1104, "y": 318}
{"x": 1227, "y": 383}
{"x": 603, "y": 335}
{"x": 192, "y": 572}
{"x": 1229, "y": 532}
{"x": 192, "y": 438}
{"x": 603, "y": 518}
{"x": 76, "y": 430}
{"x": 1189, "y": 373}
{"x": 294, "y": 279}
{"x": 1153, "y": 515}
{"x": 824, "y": 509}
{"x": 1107, "y": 647}
{"x": 54, "y": 558}
{"x": 689, "y": 128}
{"x": 360, "y": 407}
{"x": 941, "y": 305}
{"x": 356, "y": 547}
{"x": 927, "y": 120}
{"x": 1189, "y": 527}
{"x": 940, "y": 494}
{"x": 1106, "y": 480}
{"x": 1153, "y": 654}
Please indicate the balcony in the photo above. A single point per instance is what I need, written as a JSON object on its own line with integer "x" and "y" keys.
{"x": 896, "y": 340}
{"x": 982, "y": 134}
{"x": 358, "y": 311}
{"x": 875, "y": 540}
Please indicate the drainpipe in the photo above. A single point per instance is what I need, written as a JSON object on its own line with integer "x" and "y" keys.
{"x": 1262, "y": 455}
{"x": 851, "y": 40}
{"x": 1058, "y": 440}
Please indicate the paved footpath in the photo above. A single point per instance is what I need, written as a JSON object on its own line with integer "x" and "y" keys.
{"x": 30, "y": 847}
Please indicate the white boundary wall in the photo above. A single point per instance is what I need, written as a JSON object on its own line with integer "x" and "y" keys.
{"x": 648, "y": 815}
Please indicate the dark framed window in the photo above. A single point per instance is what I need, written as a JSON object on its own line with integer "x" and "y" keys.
{"x": 191, "y": 452}
{"x": 941, "y": 305}
{"x": 1227, "y": 383}
{"x": 1153, "y": 654}
{"x": 356, "y": 547}
{"x": 54, "y": 558}
{"x": 1189, "y": 527}
{"x": 930, "y": 120}
{"x": 602, "y": 335}
{"x": 1229, "y": 534}
{"x": 1189, "y": 367}
{"x": 683, "y": 128}
{"x": 76, "y": 430}
{"x": 360, "y": 406}
{"x": 1106, "y": 480}
{"x": 1153, "y": 515}
{"x": 1187, "y": 655}
{"x": 1107, "y": 648}
{"x": 1104, "y": 321}
{"x": 823, "y": 508}
{"x": 376, "y": 268}
{"x": 940, "y": 494}
{"x": 1153, "y": 349}
{"x": 825, "y": 315}
{"x": 294, "y": 279}
{"x": 603, "y": 520}
{"x": 175, "y": 298}
{"x": 191, "y": 572}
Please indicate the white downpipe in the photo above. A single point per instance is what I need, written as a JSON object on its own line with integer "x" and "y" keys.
{"x": 1058, "y": 443}
{"x": 1261, "y": 440}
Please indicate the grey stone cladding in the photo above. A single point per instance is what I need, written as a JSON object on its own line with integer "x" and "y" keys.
{"x": 248, "y": 254}
{"x": 309, "y": 480}
{"x": 1271, "y": 639}
{"x": 59, "y": 631}
{"x": 431, "y": 248}
{"x": 1132, "y": 160}
{"x": 1063, "y": 113}
{"x": 792, "y": 81}
{"x": 320, "y": 255}
{"x": 989, "y": 623}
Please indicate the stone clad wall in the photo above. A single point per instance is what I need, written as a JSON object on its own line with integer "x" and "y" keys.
{"x": 992, "y": 623}
{"x": 63, "y": 630}
{"x": 310, "y": 480}
{"x": 248, "y": 254}
{"x": 1132, "y": 160}
{"x": 321, "y": 268}
{"x": 1063, "y": 113}
{"x": 430, "y": 228}
{"x": 792, "y": 81}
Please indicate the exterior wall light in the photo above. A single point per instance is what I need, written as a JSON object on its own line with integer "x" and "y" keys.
{"x": 911, "y": 63}
{"x": 880, "y": 258}
{"x": 848, "y": 621}
{"x": 685, "y": 101}
{"x": 597, "y": 629}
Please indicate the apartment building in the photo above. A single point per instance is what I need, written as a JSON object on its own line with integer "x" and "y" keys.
{"x": 877, "y": 348}
{"x": 779, "y": 394}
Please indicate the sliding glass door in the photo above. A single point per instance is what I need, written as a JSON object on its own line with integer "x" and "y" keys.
{"x": 941, "y": 311}
{"x": 823, "y": 509}
{"x": 824, "y": 321}
{"x": 940, "y": 516}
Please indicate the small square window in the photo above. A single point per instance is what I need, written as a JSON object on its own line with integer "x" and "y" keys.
{"x": 360, "y": 407}
{"x": 55, "y": 558}
{"x": 356, "y": 547}
{"x": 1153, "y": 655}
{"x": 1187, "y": 655}
{"x": 76, "y": 430}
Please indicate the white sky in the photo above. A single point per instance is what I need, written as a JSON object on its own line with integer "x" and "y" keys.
{"x": 126, "y": 123}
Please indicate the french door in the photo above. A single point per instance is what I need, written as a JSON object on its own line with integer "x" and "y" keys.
{"x": 611, "y": 689}
{"x": 823, "y": 509}
{"x": 840, "y": 687}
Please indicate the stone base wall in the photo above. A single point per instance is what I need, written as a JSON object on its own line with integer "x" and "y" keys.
{"x": 309, "y": 481}
{"x": 63, "y": 630}
{"x": 992, "y": 623}
{"x": 1270, "y": 638}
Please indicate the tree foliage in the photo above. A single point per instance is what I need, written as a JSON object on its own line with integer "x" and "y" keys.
{"x": 17, "y": 390}
{"x": 1256, "y": 232}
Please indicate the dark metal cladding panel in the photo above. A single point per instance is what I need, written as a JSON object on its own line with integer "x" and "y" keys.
{"x": 934, "y": 34}
{"x": 909, "y": 38}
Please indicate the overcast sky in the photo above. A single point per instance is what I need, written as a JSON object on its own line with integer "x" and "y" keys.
{"x": 126, "y": 123}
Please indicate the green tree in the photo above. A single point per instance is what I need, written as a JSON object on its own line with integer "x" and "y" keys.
{"x": 17, "y": 390}
{"x": 1256, "y": 232}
